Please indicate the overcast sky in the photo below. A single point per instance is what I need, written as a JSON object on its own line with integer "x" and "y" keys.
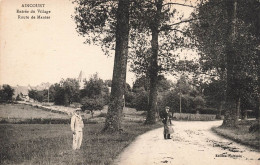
{"x": 36, "y": 51}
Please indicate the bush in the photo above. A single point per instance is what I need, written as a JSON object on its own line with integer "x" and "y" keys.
{"x": 254, "y": 128}
{"x": 172, "y": 99}
{"x": 92, "y": 103}
{"x": 212, "y": 111}
{"x": 141, "y": 101}
{"x": 129, "y": 99}
{"x": 60, "y": 98}
{"x": 193, "y": 117}
{"x": 6, "y": 94}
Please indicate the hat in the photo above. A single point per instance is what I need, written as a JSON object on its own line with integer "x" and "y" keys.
{"x": 77, "y": 109}
{"x": 167, "y": 107}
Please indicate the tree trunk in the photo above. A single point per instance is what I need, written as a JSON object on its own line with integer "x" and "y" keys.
{"x": 220, "y": 108}
{"x": 258, "y": 83}
{"x": 258, "y": 114}
{"x": 231, "y": 119}
{"x": 238, "y": 110}
{"x": 153, "y": 70}
{"x": 115, "y": 108}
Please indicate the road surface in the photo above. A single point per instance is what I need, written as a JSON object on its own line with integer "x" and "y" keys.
{"x": 192, "y": 143}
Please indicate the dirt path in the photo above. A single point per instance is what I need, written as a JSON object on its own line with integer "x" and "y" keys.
{"x": 192, "y": 143}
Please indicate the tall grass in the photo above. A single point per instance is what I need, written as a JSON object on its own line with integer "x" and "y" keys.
{"x": 52, "y": 143}
{"x": 241, "y": 134}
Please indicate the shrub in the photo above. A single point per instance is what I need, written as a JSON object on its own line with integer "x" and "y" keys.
{"x": 92, "y": 103}
{"x": 193, "y": 117}
{"x": 6, "y": 94}
{"x": 254, "y": 128}
{"x": 59, "y": 97}
{"x": 213, "y": 111}
{"x": 141, "y": 101}
{"x": 172, "y": 99}
{"x": 129, "y": 99}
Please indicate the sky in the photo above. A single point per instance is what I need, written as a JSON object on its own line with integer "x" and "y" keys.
{"x": 46, "y": 50}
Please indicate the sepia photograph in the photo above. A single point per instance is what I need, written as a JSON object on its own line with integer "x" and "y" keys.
{"x": 130, "y": 82}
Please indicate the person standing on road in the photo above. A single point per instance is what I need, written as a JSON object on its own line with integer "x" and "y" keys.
{"x": 76, "y": 127}
{"x": 166, "y": 122}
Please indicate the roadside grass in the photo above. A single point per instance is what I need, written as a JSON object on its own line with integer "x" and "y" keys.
{"x": 52, "y": 143}
{"x": 241, "y": 134}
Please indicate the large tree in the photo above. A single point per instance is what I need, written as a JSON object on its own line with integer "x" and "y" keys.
{"x": 104, "y": 22}
{"x": 114, "y": 115}
{"x": 158, "y": 22}
{"x": 228, "y": 43}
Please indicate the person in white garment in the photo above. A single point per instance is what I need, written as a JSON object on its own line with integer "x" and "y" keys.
{"x": 76, "y": 127}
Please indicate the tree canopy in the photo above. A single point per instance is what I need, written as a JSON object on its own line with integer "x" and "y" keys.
{"x": 6, "y": 93}
{"x": 227, "y": 40}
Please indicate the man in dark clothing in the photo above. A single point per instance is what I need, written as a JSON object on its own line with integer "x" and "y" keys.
{"x": 166, "y": 122}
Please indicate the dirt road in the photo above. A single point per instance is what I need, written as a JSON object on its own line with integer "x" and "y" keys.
{"x": 192, "y": 143}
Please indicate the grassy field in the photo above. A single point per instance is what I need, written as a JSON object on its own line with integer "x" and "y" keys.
{"x": 52, "y": 143}
{"x": 22, "y": 111}
{"x": 241, "y": 134}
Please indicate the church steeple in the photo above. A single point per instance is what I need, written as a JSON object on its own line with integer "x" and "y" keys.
{"x": 81, "y": 79}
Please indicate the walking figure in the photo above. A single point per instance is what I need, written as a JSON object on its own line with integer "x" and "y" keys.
{"x": 76, "y": 127}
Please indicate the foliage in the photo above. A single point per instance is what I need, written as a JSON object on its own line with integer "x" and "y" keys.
{"x": 60, "y": 98}
{"x": 214, "y": 92}
{"x": 106, "y": 23}
{"x": 108, "y": 83}
{"x": 93, "y": 87}
{"x": 6, "y": 93}
{"x": 164, "y": 84}
{"x": 171, "y": 99}
{"x": 141, "y": 82}
{"x": 71, "y": 89}
{"x": 139, "y": 96}
{"x": 186, "y": 94}
{"x": 212, "y": 33}
{"x": 141, "y": 100}
{"x": 95, "y": 94}
{"x": 213, "y": 111}
{"x": 66, "y": 92}
{"x": 92, "y": 103}
{"x": 129, "y": 99}
{"x": 158, "y": 16}
{"x": 100, "y": 26}
{"x": 198, "y": 102}
{"x": 227, "y": 39}
{"x": 152, "y": 20}
{"x": 194, "y": 117}
{"x": 38, "y": 95}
